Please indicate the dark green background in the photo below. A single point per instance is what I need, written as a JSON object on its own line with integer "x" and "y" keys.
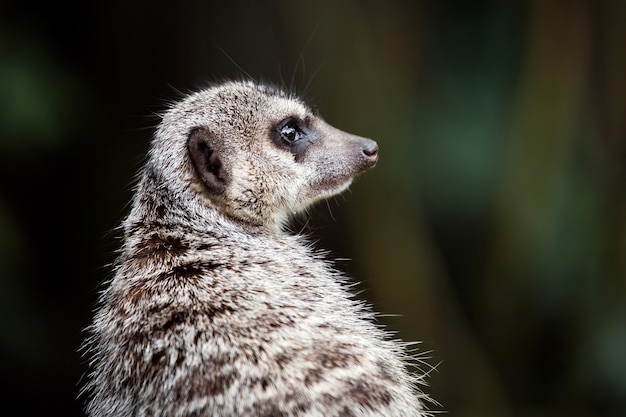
{"x": 493, "y": 228}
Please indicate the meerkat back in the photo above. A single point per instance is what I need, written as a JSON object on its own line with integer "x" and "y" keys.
{"x": 214, "y": 309}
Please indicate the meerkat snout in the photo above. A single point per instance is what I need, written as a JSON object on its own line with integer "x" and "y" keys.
{"x": 370, "y": 150}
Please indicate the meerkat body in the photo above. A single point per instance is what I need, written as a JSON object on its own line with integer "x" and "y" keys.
{"x": 214, "y": 310}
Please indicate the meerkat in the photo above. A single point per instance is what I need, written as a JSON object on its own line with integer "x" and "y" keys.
{"x": 215, "y": 309}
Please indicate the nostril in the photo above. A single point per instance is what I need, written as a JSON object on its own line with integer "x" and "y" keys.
{"x": 371, "y": 151}
{"x": 368, "y": 155}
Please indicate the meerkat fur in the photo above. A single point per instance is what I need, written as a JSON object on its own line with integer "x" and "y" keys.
{"x": 214, "y": 309}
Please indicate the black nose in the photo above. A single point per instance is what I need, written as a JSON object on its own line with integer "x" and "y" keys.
{"x": 370, "y": 150}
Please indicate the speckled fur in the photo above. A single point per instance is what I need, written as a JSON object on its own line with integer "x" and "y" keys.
{"x": 214, "y": 309}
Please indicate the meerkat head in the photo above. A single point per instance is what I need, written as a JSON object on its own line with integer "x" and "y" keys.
{"x": 255, "y": 153}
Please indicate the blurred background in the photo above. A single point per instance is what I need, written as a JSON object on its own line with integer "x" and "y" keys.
{"x": 493, "y": 229}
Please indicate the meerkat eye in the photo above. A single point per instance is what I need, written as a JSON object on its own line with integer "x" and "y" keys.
{"x": 290, "y": 131}
{"x": 295, "y": 135}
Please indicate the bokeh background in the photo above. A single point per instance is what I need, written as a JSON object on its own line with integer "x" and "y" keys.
{"x": 493, "y": 228}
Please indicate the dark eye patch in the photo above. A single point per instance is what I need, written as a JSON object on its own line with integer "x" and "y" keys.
{"x": 293, "y": 134}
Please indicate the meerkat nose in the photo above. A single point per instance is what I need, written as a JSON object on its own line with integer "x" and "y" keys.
{"x": 370, "y": 150}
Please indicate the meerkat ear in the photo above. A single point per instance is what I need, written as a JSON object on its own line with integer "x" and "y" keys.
{"x": 206, "y": 160}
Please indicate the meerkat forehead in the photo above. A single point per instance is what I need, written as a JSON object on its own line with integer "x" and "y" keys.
{"x": 245, "y": 106}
